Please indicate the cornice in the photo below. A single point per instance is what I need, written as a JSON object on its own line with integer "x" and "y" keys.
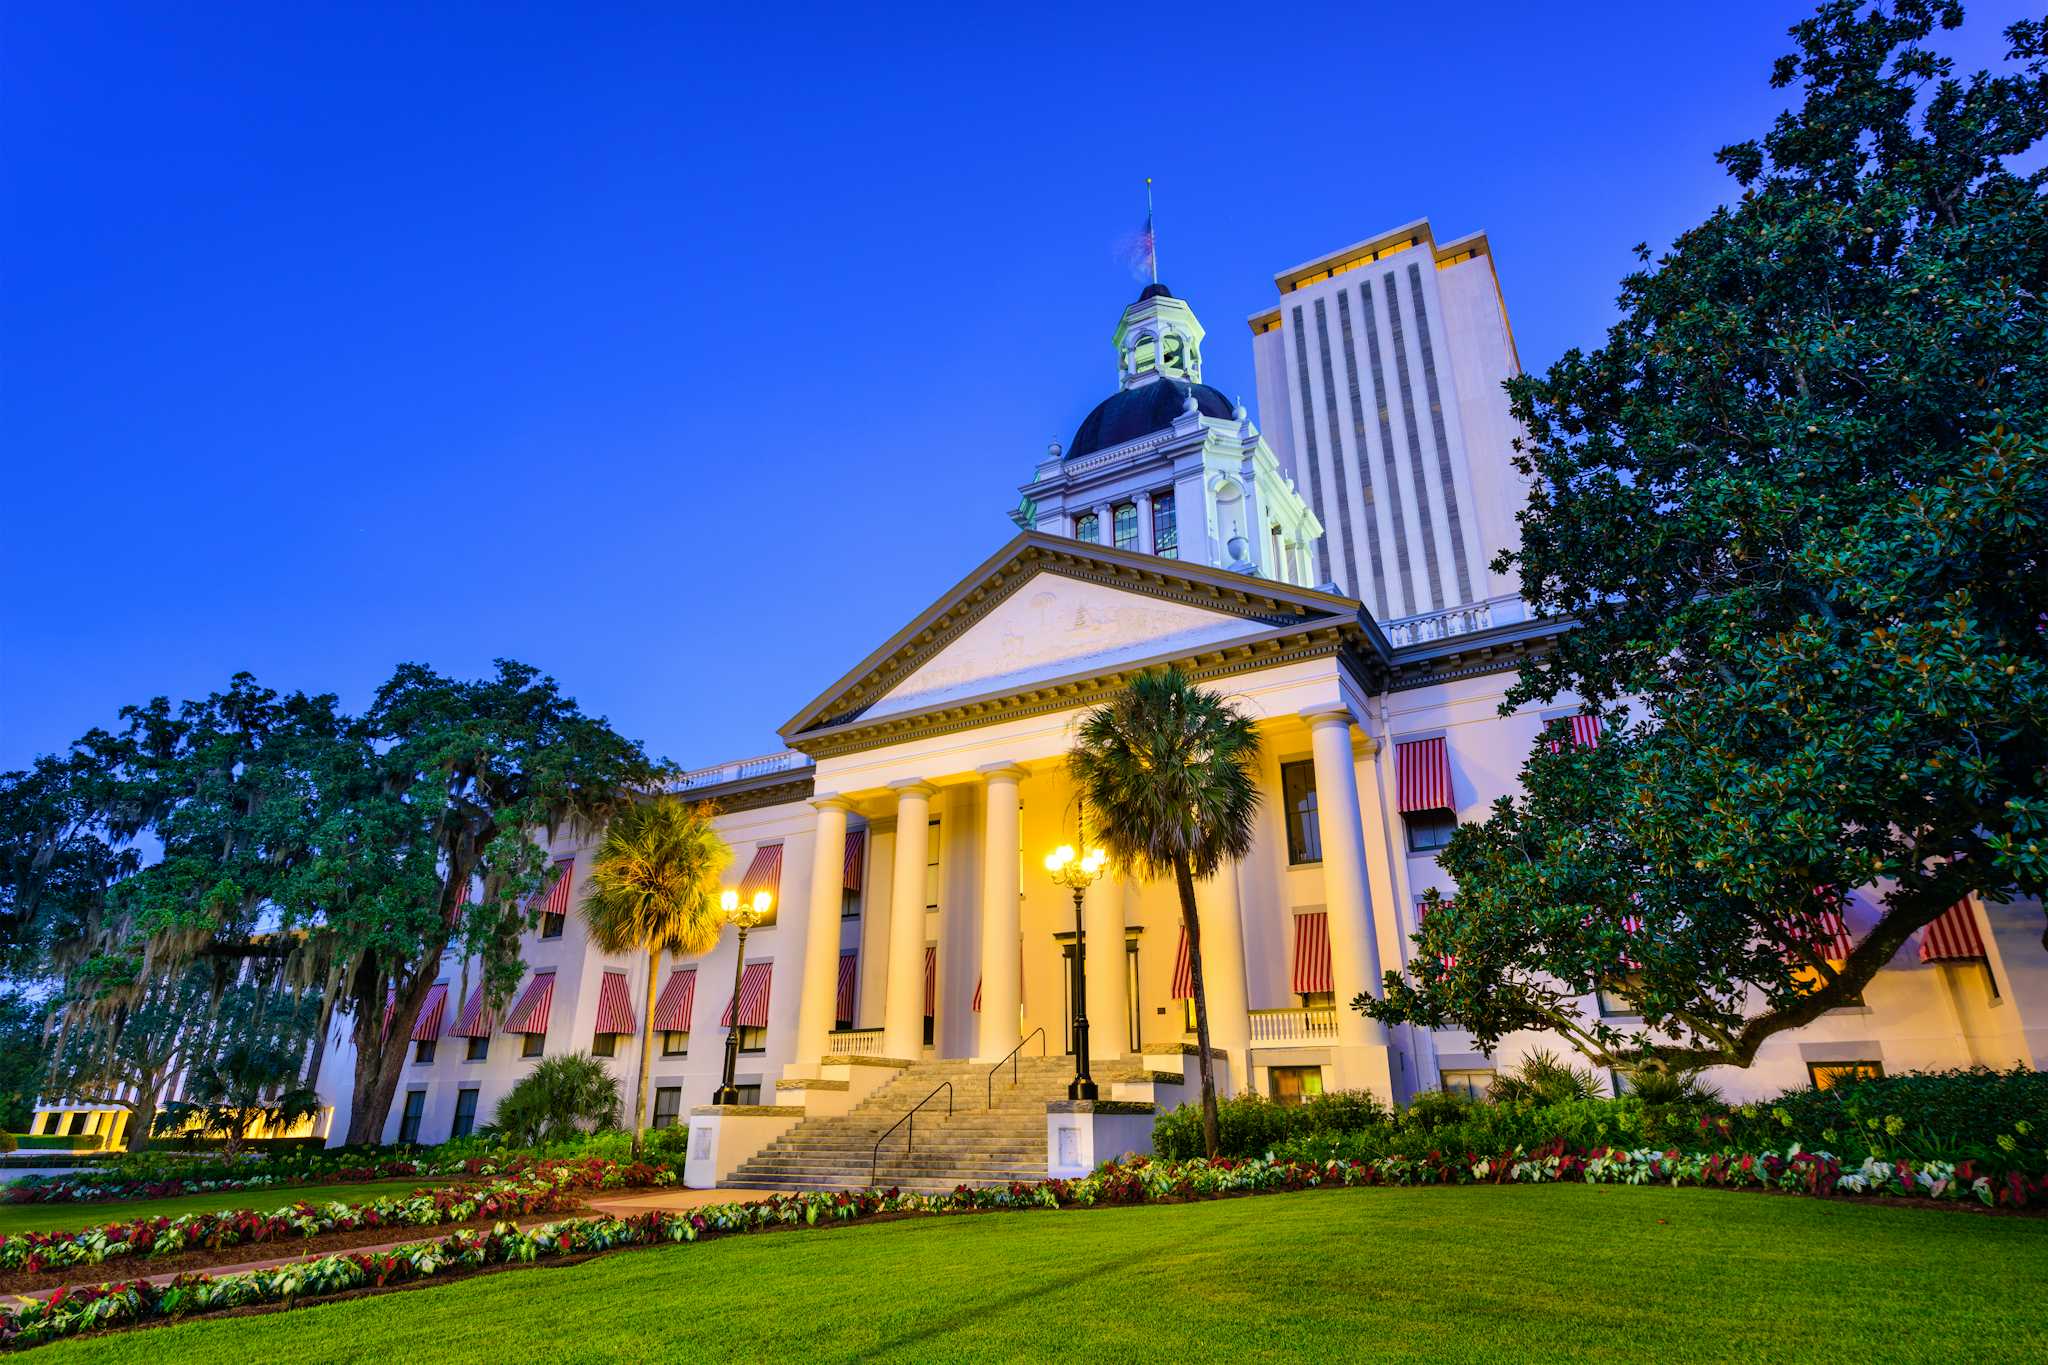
{"x": 1339, "y": 640}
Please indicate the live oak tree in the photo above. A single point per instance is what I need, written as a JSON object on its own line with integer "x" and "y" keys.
{"x": 315, "y": 852}
{"x": 1795, "y": 505}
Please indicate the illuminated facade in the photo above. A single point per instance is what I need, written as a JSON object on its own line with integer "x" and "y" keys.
{"x": 902, "y": 825}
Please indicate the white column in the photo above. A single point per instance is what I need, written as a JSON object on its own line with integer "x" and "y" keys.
{"x": 1144, "y": 505}
{"x": 1230, "y": 1021}
{"x": 1354, "y": 947}
{"x": 1002, "y": 948}
{"x": 1105, "y": 525}
{"x": 1109, "y": 1010}
{"x": 903, "y": 1015}
{"x": 819, "y": 1001}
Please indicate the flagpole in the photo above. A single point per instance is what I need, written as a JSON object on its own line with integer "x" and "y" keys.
{"x": 1151, "y": 231}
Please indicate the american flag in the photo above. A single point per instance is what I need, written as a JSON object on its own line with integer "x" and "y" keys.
{"x": 1143, "y": 251}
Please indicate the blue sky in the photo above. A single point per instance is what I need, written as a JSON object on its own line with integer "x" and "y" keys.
{"x": 687, "y": 355}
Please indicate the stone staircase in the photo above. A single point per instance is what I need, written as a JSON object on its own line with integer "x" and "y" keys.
{"x": 981, "y": 1144}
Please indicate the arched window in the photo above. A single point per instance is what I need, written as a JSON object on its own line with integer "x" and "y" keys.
{"x": 1088, "y": 527}
{"x": 1144, "y": 353}
{"x": 1171, "y": 356}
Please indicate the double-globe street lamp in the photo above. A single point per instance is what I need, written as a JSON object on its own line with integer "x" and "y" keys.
{"x": 744, "y": 915}
{"x": 1077, "y": 872}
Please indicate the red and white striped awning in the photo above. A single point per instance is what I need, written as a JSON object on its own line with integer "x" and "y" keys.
{"x": 1311, "y": 953}
{"x": 476, "y": 1021}
{"x": 677, "y": 1002}
{"x": 1585, "y": 733}
{"x": 390, "y": 1008}
{"x": 530, "y": 1015}
{"x": 1826, "y": 931}
{"x": 615, "y": 1005}
{"x": 557, "y": 902}
{"x": 753, "y": 997}
{"x": 1424, "y": 770}
{"x": 763, "y": 874}
{"x": 1953, "y": 937}
{"x": 931, "y": 981}
{"x": 856, "y": 859}
{"x": 849, "y": 974}
{"x": 427, "y": 1027}
{"x": 1183, "y": 970}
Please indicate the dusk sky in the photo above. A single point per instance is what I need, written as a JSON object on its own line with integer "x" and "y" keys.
{"x": 687, "y": 356}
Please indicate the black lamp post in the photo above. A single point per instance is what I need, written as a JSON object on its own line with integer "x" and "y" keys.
{"x": 1077, "y": 873}
{"x": 745, "y": 917}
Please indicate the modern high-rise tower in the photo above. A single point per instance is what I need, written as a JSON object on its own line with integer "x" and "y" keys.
{"x": 1379, "y": 378}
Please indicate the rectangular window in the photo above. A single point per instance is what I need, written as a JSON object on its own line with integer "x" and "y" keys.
{"x": 1617, "y": 997}
{"x": 753, "y": 1039}
{"x": 1165, "y": 526}
{"x": 1124, "y": 524}
{"x": 849, "y": 905}
{"x": 479, "y": 1049}
{"x": 465, "y": 1113}
{"x": 1318, "y": 999}
{"x": 409, "y": 1121}
{"x": 668, "y": 1103}
{"x": 1430, "y": 830}
{"x": 533, "y": 1044}
{"x": 674, "y": 1044}
{"x": 1828, "y": 1075}
{"x": 604, "y": 1045}
{"x": 551, "y": 922}
{"x": 1472, "y": 1085}
{"x": 423, "y": 1051}
{"x": 1295, "y": 1084}
{"x": 750, "y": 1093}
{"x": 1298, "y": 795}
{"x": 1087, "y": 527}
{"x": 931, "y": 867}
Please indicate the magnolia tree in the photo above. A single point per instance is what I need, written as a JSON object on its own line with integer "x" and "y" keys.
{"x": 1797, "y": 506}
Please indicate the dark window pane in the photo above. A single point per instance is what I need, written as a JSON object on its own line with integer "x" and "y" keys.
{"x": 1165, "y": 526}
{"x": 1087, "y": 528}
{"x": 1430, "y": 830}
{"x": 551, "y": 924}
{"x": 1124, "y": 519}
{"x": 1298, "y": 793}
{"x": 533, "y": 1044}
{"x": 479, "y": 1049}
{"x": 465, "y": 1114}
{"x": 604, "y": 1044}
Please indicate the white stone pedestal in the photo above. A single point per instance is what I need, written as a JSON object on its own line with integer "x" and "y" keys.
{"x": 1082, "y": 1134}
{"x": 724, "y": 1135}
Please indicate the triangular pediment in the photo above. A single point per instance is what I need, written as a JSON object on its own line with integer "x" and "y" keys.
{"x": 1045, "y": 607}
{"x": 1054, "y": 625}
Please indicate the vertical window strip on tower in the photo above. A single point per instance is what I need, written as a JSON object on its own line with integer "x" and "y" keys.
{"x": 1370, "y": 518}
{"x": 1308, "y": 426}
{"x": 1351, "y": 583}
{"x": 1393, "y": 493}
{"x": 1443, "y": 445}
{"x": 1414, "y": 433}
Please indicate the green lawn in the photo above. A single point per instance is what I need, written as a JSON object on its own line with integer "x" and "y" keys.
{"x": 1565, "y": 1272}
{"x": 44, "y": 1217}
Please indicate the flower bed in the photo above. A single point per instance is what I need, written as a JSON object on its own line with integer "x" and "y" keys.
{"x": 96, "y": 1189}
{"x": 542, "y": 1187}
{"x": 1135, "y": 1181}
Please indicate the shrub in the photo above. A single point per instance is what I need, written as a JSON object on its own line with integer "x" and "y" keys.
{"x": 671, "y": 1144}
{"x": 1252, "y": 1125}
{"x": 1545, "y": 1078}
{"x": 562, "y": 1098}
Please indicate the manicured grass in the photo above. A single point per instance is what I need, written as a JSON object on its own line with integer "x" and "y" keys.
{"x": 45, "y": 1217}
{"x": 1565, "y": 1272}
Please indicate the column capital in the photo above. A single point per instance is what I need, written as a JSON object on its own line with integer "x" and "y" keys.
{"x": 913, "y": 786}
{"x": 1335, "y": 714}
{"x": 832, "y": 801}
{"x": 996, "y": 772}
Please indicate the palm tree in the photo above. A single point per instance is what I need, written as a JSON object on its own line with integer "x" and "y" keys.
{"x": 1169, "y": 771}
{"x": 654, "y": 889}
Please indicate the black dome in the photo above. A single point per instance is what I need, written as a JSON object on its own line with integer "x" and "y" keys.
{"x": 1154, "y": 291}
{"x": 1131, "y": 413}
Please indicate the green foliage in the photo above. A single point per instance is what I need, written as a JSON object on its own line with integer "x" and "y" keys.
{"x": 561, "y": 1100}
{"x": 1543, "y": 1078}
{"x": 1797, "y": 508}
{"x": 654, "y": 880}
{"x": 253, "y": 1079}
{"x": 1951, "y": 1115}
{"x": 24, "y": 1057}
{"x": 1252, "y": 1125}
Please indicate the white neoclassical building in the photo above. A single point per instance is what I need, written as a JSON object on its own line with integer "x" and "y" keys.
{"x": 902, "y": 825}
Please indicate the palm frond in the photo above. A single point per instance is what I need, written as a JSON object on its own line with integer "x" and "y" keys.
{"x": 1168, "y": 772}
{"x": 654, "y": 880}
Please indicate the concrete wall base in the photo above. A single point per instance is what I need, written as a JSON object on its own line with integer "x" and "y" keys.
{"x": 724, "y": 1135}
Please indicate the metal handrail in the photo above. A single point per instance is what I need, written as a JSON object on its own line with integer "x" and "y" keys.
{"x": 1038, "y": 1033}
{"x": 875, "y": 1162}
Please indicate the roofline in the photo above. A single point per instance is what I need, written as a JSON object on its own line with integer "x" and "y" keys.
{"x": 1379, "y": 241}
{"x": 1221, "y": 581}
